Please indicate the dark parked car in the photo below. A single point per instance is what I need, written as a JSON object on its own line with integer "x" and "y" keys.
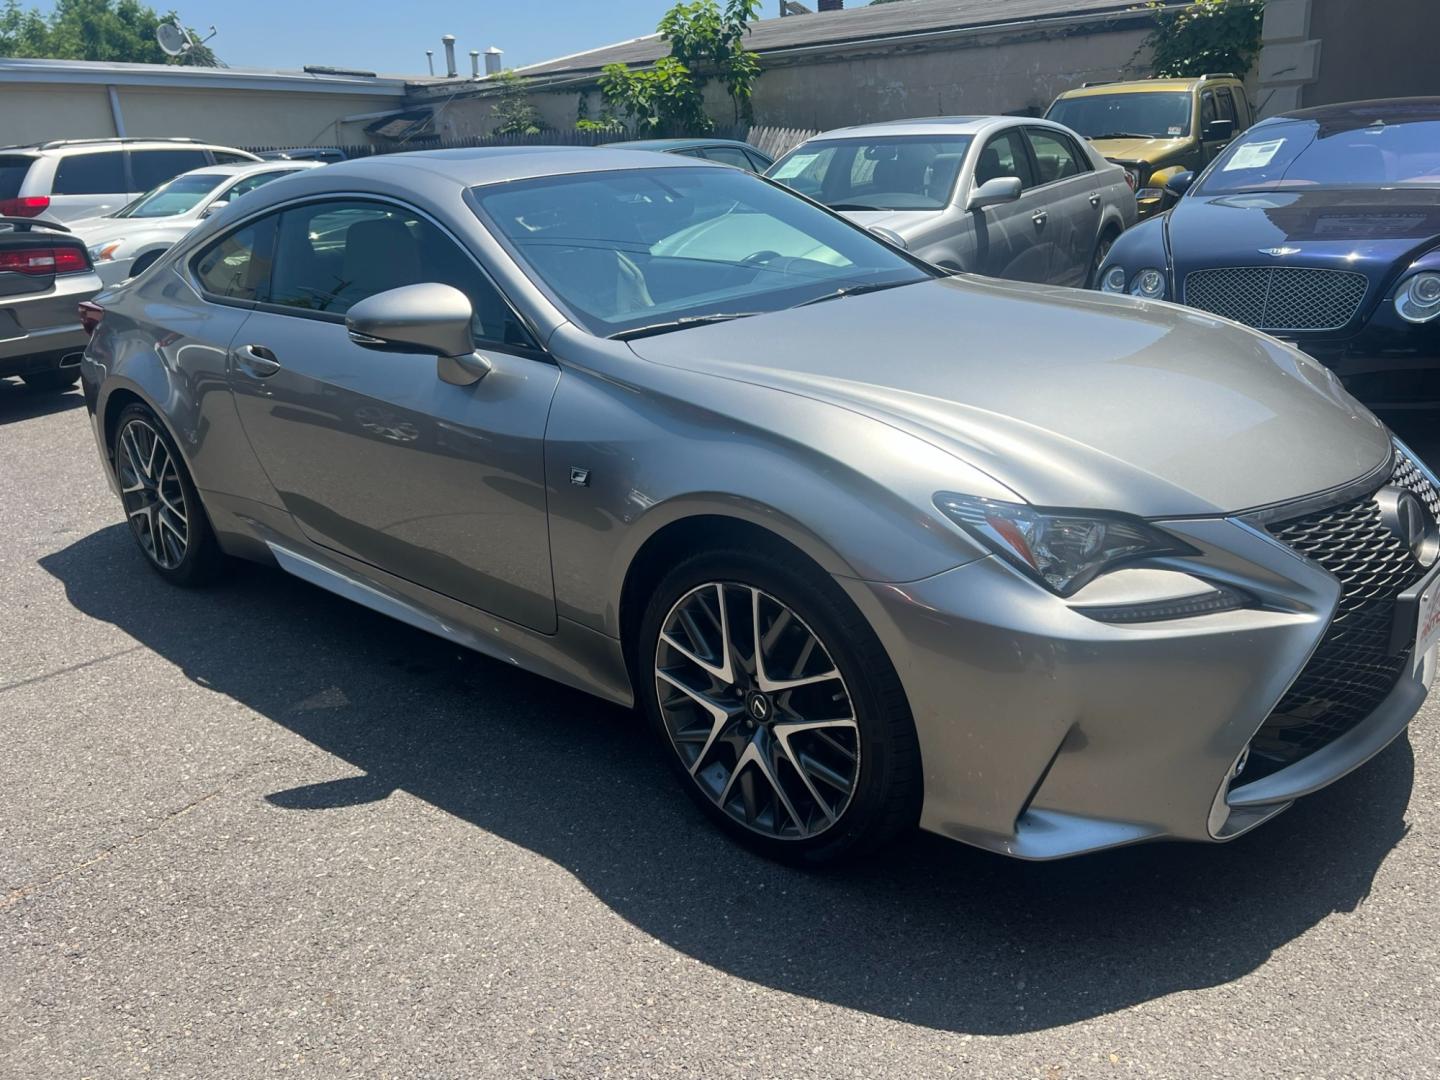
{"x": 1321, "y": 227}
{"x": 726, "y": 151}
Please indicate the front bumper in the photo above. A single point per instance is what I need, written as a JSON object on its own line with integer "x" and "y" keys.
{"x": 1045, "y": 733}
{"x": 44, "y": 324}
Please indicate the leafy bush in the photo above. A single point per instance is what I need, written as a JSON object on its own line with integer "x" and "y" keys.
{"x": 1208, "y": 37}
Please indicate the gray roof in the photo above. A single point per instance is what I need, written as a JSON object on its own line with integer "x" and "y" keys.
{"x": 182, "y": 77}
{"x": 852, "y": 26}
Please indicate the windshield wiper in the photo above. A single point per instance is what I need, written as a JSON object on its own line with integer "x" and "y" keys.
{"x": 1122, "y": 135}
{"x": 859, "y": 290}
{"x": 853, "y": 206}
{"x": 680, "y": 324}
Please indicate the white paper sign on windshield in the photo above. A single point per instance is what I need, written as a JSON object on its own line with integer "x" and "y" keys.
{"x": 1254, "y": 155}
{"x": 795, "y": 166}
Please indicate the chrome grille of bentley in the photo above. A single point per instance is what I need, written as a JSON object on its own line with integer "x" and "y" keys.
{"x": 1353, "y": 669}
{"x": 1278, "y": 297}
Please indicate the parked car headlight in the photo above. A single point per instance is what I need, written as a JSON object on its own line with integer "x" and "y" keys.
{"x": 1113, "y": 280}
{"x": 106, "y": 251}
{"x": 1418, "y": 300}
{"x": 1149, "y": 283}
{"x": 1061, "y": 549}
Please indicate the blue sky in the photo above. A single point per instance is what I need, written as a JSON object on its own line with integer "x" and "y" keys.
{"x": 392, "y": 36}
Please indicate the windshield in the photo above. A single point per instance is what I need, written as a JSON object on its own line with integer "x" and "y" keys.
{"x": 1305, "y": 153}
{"x": 175, "y": 197}
{"x": 1144, "y": 114}
{"x": 898, "y": 172}
{"x": 638, "y": 248}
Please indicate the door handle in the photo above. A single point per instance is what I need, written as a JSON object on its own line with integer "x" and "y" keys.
{"x": 1039, "y": 217}
{"x": 1094, "y": 200}
{"x": 258, "y": 360}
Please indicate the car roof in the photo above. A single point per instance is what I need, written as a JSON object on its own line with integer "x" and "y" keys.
{"x": 472, "y": 166}
{"x": 1411, "y": 110}
{"x": 89, "y": 146}
{"x": 245, "y": 168}
{"x": 933, "y": 125}
{"x": 1140, "y": 86}
{"x": 674, "y": 144}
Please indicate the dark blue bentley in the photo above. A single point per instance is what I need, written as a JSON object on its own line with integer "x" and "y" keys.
{"x": 1321, "y": 227}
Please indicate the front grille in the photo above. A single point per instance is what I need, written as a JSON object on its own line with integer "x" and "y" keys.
{"x": 1353, "y": 668}
{"x": 1278, "y": 297}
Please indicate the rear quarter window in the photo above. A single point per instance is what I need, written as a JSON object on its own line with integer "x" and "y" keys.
{"x": 12, "y": 175}
{"x": 91, "y": 174}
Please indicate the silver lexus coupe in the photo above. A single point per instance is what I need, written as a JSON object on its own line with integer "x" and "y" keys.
{"x": 870, "y": 544}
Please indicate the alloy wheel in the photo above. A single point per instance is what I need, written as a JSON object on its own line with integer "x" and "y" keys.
{"x": 757, "y": 710}
{"x": 152, "y": 494}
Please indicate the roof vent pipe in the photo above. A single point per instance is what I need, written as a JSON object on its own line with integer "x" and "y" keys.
{"x": 474, "y": 63}
{"x": 430, "y": 59}
{"x": 449, "y": 42}
{"x": 493, "y": 63}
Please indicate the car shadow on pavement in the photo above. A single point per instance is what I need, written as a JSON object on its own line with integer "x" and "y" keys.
{"x": 932, "y": 933}
{"x": 18, "y": 402}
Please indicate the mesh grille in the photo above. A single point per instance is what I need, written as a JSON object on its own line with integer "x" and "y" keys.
{"x": 1278, "y": 297}
{"x": 1353, "y": 669}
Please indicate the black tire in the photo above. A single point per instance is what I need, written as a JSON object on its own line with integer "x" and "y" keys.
{"x": 1102, "y": 250}
{"x": 52, "y": 379}
{"x": 144, "y": 262}
{"x": 202, "y": 560}
{"x": 888, "y": 791}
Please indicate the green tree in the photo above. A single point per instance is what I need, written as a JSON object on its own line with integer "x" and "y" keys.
{"x": 106, "y": 30}
{"x": 514, "y": 115}
{"x": 706, "y": 41}
{"x": 1209, "y": 36}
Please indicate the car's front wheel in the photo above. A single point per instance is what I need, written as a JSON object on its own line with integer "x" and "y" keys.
{"x": 161, "y": 504}
{"x": 783, "y": 714}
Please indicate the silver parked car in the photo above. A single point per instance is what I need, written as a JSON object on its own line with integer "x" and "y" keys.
{"x": 126, "y": 242}
{"x": 1044, "y": 570}
{"x": 1005, "y": 196}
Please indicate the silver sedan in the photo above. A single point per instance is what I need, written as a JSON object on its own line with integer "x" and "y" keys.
{"x": 1009, "y": 197}
{"x": 1042, "y": 570}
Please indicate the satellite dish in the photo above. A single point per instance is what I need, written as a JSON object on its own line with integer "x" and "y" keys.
{"x": 173, "y": 40}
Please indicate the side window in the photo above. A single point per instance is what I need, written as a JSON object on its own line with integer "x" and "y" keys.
{"x": 237, "y": 266}
{"x": 1056, "y": 157}
{"x": 331, "y": 255}
{"x": 1225, "y": 105}
{"x": 729, "y": 155}
{"x": 1004, "y": 155}
{"x": 757, "y": 163}
{"x": 92, "y": 174}
{"x": 1207, "y": 110}
{"x": 149, "y": 168}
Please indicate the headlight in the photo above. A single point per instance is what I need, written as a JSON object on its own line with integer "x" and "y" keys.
{"x": 1418, "y": 300}
{"x": 1113, "y": 280}
{"x": 105, "y": 252}
{"x": 1061, "y": 549}
{"x": 1149, "y": 283}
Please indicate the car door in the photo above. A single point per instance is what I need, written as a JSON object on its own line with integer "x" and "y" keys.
{"x": 372, "y": 454}
{"x": 1010, "y": 240}
{"x": 1068, "y": 185}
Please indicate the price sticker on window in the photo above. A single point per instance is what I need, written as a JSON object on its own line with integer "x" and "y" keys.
{"x": 1254, "y": 155}
{"x": 794, "y": 166}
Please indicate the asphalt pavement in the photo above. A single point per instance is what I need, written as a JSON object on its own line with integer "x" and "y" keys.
{"x": 255, "y": 830}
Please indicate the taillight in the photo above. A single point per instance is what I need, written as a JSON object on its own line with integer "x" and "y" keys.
{"x": 44, "y": 261}
{"x": 29, "y": 206}
{"x": 90, "y": 315}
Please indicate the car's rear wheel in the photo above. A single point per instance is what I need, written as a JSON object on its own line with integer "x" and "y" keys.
{"x": 52, "y": 378}
{"x": 1102, "y": 252}
{"x": 161, "y": 504}
{"x": 782, "y": 711}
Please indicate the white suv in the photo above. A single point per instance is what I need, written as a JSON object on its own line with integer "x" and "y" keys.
{"x": 81, "y": 178}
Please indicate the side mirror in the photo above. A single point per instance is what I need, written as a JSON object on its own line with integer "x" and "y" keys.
{"x": 994, "y": 192}
{"x": 215, "y": 207}
{"x": 429, "y": 318}
{"x": 1180, "y": 183}
{"x": 890, "y": 236}
{"x": 1216, "y": 130}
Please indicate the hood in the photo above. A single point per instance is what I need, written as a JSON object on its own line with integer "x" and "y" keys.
{"x": 1068, "y": 398}
{"x": 1366, "y": 230}
{"x": 103, "y": 229}
{"x": 904, "y": 222}
{"x": 1147, "y": 150}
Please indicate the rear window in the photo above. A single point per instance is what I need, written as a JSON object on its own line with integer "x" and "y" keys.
{"x": 12, "y": 175}
{"x": 90, "y": 174}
